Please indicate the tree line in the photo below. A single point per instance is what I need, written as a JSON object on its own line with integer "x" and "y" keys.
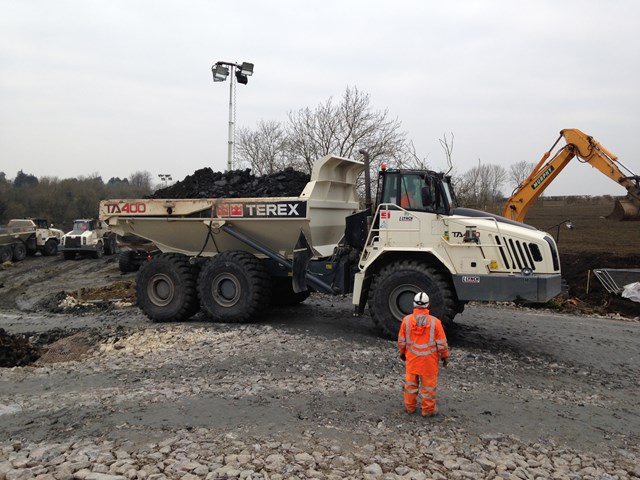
{"x": 340, "y": 127}
{"x": 345, "y": 126}
{"x": 61, "y": 201}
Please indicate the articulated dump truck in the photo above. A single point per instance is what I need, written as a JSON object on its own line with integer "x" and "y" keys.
{"x": 231, "y": 257}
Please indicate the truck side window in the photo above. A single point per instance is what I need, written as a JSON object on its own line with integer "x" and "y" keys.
{"x": 390, "y": 188}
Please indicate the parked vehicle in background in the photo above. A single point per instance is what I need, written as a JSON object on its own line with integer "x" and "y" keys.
{"x": 90, "y": 238}
{"x": 46, "y": 238}
{"x": 27, "y": 236}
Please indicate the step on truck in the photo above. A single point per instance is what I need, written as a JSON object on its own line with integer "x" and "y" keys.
{"x": 27, "y": 236}
{"x": 89, "y": 237}
{"x": 229, "y": 257}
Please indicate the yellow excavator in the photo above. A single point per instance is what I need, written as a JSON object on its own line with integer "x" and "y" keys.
{"x": 588, "y": 150}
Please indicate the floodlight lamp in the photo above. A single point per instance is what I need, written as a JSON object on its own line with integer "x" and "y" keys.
{"x": 569, "y": 225}
{"x": 220, "y": 73}
{"x": 246, "y": 69}
{"x": 241, "y": 78}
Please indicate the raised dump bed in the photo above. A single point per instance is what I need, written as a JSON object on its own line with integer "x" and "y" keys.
{"x": 194, "y": 226}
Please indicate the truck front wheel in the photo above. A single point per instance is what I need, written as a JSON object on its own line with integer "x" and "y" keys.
{"x": 393, "y": 288}
{"x": 99, "y": 251}
{"x": 233, "y": 287}
{"x": 166, "y": 288}
{"x": 50, "y": 248}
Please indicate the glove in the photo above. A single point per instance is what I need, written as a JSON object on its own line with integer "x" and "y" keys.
{"x": 403, "y": 357}
{"x": 445, "y": 362}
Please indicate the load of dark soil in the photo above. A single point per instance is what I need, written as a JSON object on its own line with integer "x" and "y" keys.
{"x": 205, "y": 183}
{"x": 16, "y": 351}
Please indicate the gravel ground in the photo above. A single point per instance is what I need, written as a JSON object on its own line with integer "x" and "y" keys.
{"x": 308, "y": 392}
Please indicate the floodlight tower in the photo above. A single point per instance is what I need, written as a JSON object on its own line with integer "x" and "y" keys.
{"x": 241, "y": 72}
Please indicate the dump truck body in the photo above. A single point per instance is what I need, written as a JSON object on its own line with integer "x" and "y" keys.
{"x": 13, "y": 242}
{"x": 46, "y": 238}
{"x": 231, "y": 256}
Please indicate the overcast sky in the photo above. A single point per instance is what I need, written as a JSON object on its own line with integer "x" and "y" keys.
{"x": 118, "y": 86}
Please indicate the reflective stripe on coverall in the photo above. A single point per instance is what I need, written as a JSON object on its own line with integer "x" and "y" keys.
{"x": 422, "y": 340}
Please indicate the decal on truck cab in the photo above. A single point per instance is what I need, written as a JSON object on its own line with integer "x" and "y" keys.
{"x": 268, "y": 210}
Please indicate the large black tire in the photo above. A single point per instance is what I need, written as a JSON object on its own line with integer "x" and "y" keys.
{"x": 166, "y": 288}
{"x": 393, "y": 288}
{"x": 110, "y": 244}
{"x": 127, "y": 261}
{"x": 50, "y": 248}
{"x": 282, "y": 293}
{"x": 19, "y": 252}
{"x": 233, "y": 287}
{"x": 6, "y": 253}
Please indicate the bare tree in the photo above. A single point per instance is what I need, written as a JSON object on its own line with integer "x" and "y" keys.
{"x": 343, "y": 129}
{"x": 142, "y": 180}
{"x": 264, "y": 149}
{"x": 519, "y": 171}
{"x": 481, "y": 186}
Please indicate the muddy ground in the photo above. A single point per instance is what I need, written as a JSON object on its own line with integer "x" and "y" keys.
{"x": 537, "y": 376}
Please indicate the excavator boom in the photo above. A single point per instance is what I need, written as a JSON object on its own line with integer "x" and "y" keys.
{"x": 589, "y": 151}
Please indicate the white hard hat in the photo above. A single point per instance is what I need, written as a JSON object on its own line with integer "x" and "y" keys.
{"x": 421, "y": 300}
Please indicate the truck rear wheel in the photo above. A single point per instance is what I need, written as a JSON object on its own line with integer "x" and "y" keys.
{"x": 50, "y": 248}
{"x": 392, "y": 291}
{"x": 19, "y": 252}
{"x": 166, "y": 288}
{"x": 6, "y": 253}
{"x": 233, "y": 287}
{"x": 282, "y": 293}
{"x": 110, "y": 244}
{"x": 127, "y": 261}
{"x": 99, "y": 251}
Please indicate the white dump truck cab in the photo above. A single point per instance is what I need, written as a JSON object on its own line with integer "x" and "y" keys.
{"x": 420, "y": 240}
{"x": 88, "y": 237}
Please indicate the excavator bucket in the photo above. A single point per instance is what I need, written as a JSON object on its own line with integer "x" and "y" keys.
{"x": 627, "y": 208}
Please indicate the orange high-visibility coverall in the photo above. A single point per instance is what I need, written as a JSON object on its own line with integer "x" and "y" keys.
{"x": 421, "y": 340}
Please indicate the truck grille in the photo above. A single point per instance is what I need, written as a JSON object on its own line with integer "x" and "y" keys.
{"x": 72, "y": 242}
{"x": 518, "y": 255}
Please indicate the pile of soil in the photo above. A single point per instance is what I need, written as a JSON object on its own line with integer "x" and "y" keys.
{"x": 16, "y": 350}
{"x": 205, "y": 183}
{"x": 586, "y": 293}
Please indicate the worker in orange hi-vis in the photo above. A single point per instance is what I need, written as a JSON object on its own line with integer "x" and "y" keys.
{"x": 422, "y": 344}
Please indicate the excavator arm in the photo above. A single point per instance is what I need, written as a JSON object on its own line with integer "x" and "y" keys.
{"x": 588, "y": 150}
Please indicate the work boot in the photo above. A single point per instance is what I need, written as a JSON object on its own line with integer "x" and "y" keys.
{"x": 433, "y": 413}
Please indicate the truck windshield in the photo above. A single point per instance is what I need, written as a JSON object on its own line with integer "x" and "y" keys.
{"x": 417, "y": 191}
{"x": 81, "y": 226}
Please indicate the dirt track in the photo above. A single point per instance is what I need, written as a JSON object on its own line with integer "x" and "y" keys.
{"x": 547, "y": 383}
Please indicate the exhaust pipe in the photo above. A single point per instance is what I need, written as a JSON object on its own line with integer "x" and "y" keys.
{"x": 367, "y": 182}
